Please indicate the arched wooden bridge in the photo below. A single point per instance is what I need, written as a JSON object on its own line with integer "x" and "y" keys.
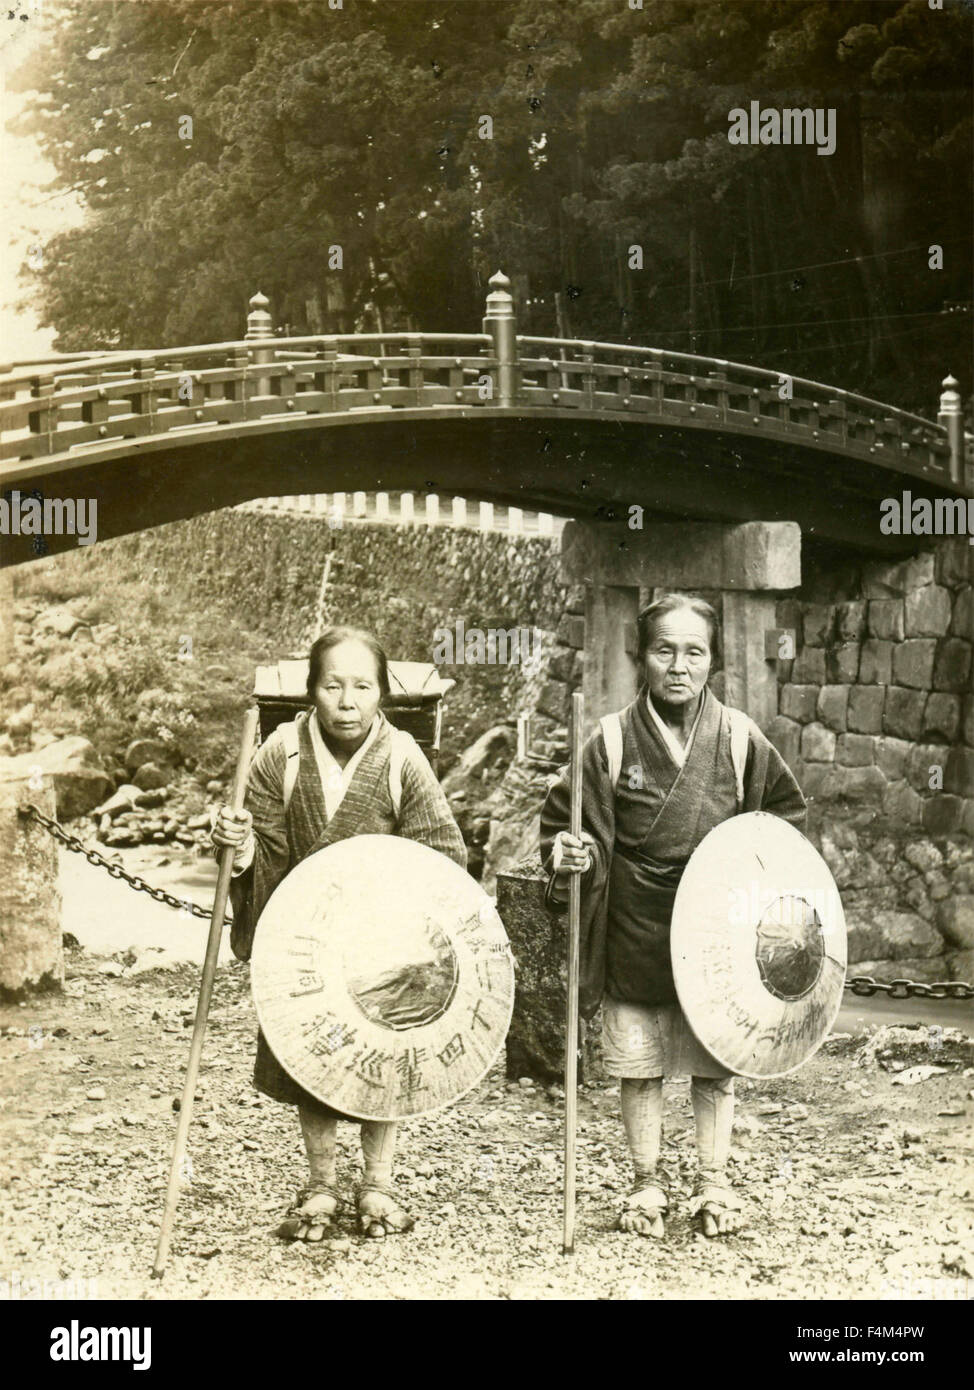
{"x": 566, "y": 426}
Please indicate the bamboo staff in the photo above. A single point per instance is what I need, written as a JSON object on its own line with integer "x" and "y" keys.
{"x": 203, "y": 1003}
{"x": 574, "y": 932}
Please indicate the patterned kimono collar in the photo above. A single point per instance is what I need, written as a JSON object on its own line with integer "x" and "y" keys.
{"x": 677, "y": 751}
{"x": 335, "y": 779}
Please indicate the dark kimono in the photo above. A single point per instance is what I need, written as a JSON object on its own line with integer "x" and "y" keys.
{"x": 645, "y": 830}
{"x": 282, "y": 840}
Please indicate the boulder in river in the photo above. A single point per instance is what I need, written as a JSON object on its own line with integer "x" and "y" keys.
{"x": 151, "y": 776}
{"x": 122, "y": 800}
{"x": 149, "y": 750}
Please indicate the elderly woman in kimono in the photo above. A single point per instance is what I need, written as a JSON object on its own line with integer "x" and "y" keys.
{"x": 342, "y": 788}
{"x": 676, "y": 781}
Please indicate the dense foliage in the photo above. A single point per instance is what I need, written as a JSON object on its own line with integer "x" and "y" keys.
{"x": 361, "y": 127}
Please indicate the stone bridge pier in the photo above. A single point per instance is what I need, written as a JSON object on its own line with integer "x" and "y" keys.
{"x": 743, "y": 569}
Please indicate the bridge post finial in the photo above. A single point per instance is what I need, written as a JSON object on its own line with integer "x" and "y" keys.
{"x": 501, "y": 324}
{"x": 260, "y": 325}
{"x": 951, "y": 418}
{"x": 259, "y": 321}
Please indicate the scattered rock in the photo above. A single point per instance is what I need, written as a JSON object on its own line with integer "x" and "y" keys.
{"x": 96, "y": 1093}
{"x": 123, "y": 837}
{"x": 156, "y": 796}
{"x": 149, "y": 750}
{"x": 60, "y": 621}
{"x": 80, "y": 781}
{"x": 151, "y": 776}
{"x": 123, "y": 799}
{"x": 914, "y": 1075}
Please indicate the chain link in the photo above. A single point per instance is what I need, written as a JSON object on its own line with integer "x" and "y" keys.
{"x": 31, "y": 812}
{"x": 865, "y": 985}
{"x": 861, "y": 985}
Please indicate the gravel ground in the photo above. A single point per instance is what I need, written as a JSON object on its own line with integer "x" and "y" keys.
{"x": 857, "y": 1186}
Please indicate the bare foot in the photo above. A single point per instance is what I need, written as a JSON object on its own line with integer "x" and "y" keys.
{"x": 718, "y": 1210}
{"x": 312, "y": 1217}
{"x": 380, "y": 1213}
{"x": 643, "y": 1213}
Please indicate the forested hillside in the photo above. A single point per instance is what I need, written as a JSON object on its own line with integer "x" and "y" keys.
{"x": 311, "y": 128}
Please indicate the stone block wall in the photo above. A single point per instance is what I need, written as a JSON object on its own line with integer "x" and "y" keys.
{"x": 876, "y": 720}
{"x": 876, "y": 709}
{"x": 565, "y": 666}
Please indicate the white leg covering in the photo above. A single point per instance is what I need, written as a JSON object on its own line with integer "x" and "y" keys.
{"x": 642, "y": 1116}
{"x": 378, "y": 1151}
{"x": 713, "y": 1110}
{"x": 320, "y": 1132}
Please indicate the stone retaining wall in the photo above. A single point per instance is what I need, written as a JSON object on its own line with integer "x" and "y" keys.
{"x": 876, "y": 709}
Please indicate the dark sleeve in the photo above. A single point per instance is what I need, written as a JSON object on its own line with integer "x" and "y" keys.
{"x": 781, "y": 794}
{"x": 424, "y": 812}
{"x": 597, "y": 819}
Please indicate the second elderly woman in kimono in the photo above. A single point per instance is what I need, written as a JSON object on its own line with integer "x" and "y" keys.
{"x": 342, "y": 789}
{"x": 677, "y": 781}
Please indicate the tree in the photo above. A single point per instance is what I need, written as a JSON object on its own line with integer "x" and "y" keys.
{"x": 364, "y": 128}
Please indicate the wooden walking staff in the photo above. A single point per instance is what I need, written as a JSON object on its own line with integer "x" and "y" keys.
{"x": 203, "y": 1003}
{"x": 574, "y": 933}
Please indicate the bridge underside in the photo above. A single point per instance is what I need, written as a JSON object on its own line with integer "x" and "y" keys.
{"x": 582, "y": 466}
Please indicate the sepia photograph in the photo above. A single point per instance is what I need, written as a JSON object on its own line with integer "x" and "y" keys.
{"x": 486, "y": 693}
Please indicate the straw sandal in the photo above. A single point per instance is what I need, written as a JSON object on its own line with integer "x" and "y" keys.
{"x": 312, "y": 1215}
{"x": 643, "y": 1211}
{"x": 380, "y": 1214}
{"x": 717, "y": 1209}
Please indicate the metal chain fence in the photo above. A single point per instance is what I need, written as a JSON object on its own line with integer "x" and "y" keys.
{"x": 861, "y": 985}
{"x": 31, "y": 812}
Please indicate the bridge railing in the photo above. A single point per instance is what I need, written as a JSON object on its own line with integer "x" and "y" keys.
{"x": 78, "y": 405}
{"x": 130, "y": 396}
{"x": 661, "y": 384}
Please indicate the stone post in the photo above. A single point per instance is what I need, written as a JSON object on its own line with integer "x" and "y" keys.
{"x": 31, "y": 954}
{"x": 501, "y": 324}
{"x": 741, "y": 561}
{"x": 951, "y": 418}
{"x": 260, "y": 325}
{"x": 609, "y": 675}
{"x": 750, "y": 676}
